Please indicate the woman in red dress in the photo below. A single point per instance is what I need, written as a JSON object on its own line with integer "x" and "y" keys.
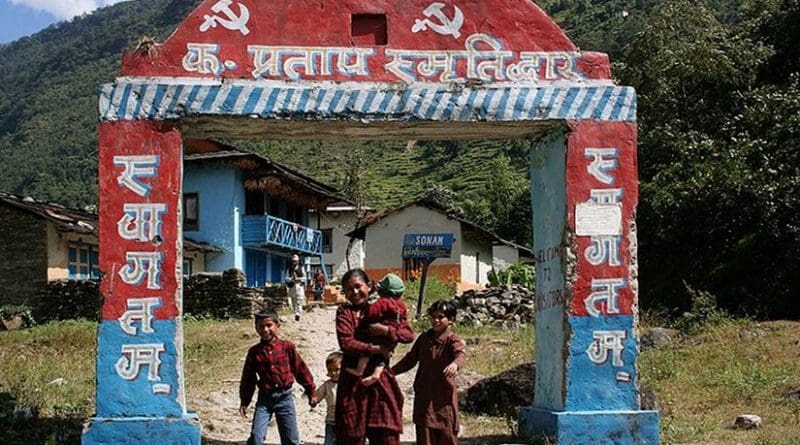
{"x": 366, "y": 412}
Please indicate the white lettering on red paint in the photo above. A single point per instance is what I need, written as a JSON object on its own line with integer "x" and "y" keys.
{"x": 202, "y": 58}
{"x": 484, "y": 58}
{"x": 607, "y": 196}
{"x": 141, "y": 222}
{"x": 604, "y": 250}
{"x": 298, "y": 62}
{"x": 141, "y": 264}
{"x": 604, "y": 299}
{"x": 603, "y": 161}
{"x": 135, "y": 167}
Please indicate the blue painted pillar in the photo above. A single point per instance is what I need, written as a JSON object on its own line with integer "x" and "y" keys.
{"x": 585, "y": 192}
{"x": 140, "y": 391}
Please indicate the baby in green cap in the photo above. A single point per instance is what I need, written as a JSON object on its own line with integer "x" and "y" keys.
{"x": 389, "y": 310}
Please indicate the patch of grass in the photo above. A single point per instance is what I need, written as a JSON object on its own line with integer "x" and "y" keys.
{"x": 727, "y": 368}
{"x": 47, "y": 379}
{"x": 491, "y": 350}
{"x": 435, "y": 290}
{"x": 215, "y": 351}
{"x": 702, "y": 381}
{"x": 485, "y": 430}
{"x": 50, "y": 366}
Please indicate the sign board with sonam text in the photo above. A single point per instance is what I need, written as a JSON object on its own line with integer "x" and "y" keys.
{"x": 428, "y": 245}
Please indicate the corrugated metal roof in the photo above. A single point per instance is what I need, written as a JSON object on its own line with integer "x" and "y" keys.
{"x": 79, "y": 221}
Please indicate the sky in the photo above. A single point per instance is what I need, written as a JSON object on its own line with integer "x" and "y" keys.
{"x": 25, "y": 17}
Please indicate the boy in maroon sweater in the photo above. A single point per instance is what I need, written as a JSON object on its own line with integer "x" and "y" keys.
{"x": 273, "y": 365}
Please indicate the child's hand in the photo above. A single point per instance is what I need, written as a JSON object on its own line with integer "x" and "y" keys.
{"x": 243, "y": 410}
{"x": 387, "y": 351}
{"x": 369, "y": 380}
{"x": 451, "y": 370}
{"x": 378, "y": 329}
{"x": 312, "y": 400}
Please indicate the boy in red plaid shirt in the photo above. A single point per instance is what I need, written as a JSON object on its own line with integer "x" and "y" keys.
{"x": 273, "y": 365}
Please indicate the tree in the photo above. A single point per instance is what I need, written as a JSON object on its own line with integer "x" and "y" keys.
{"x": 352, "y": 182}
{"x": 505, "y": 206}
{"x": 717, "y": 164}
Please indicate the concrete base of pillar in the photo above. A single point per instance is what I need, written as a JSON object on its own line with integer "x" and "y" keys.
{"x": 591, "y": 427}
{"x": 142, "y": 430}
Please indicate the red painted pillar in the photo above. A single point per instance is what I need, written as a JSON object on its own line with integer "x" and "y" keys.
{"x": 140, "y": 389}
{"x": 585, "y": 193}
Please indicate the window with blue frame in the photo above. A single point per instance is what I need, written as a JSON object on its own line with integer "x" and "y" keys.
{"x": 83, "y": 261}
{"x": 188, "y": 266}
{"x": 327, "y": 240}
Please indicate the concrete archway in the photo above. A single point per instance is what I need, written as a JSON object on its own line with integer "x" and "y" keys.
{"x": 376, "y": 70}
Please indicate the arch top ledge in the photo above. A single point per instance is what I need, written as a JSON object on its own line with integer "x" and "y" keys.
{"x": 369, "y": 40}
{"x": 165, "y": 98}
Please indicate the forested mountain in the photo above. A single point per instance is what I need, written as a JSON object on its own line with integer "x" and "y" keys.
{"x": 719, "y": 118}
{"x": 48, "y": 96}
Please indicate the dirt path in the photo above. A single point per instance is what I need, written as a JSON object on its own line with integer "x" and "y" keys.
{"x": 315, "y": 336}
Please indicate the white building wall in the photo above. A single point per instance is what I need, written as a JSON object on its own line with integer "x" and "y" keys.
{"x": 198, "y": 260}
{"x": 476, "y": 261}
{"x": 340, "y": 222}
{"x": 504, "y": 257}
{"x": 384, "y": 239}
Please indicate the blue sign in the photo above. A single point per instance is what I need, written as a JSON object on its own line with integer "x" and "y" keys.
{"x": 428, "y": 245}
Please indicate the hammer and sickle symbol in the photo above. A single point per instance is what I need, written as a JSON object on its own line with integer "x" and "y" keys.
{"x": 232, "y": 21}
{"x": 446, "y": 26}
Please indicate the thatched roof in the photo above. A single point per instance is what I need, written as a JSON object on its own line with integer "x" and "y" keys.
{"x": 262, "y": 173}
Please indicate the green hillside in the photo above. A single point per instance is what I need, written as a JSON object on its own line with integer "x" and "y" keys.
{"x": 48, "y": 97}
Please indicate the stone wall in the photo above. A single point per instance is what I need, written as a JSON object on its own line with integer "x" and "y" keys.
{"x": 224, "y": 295}
{"x": 23, "y": 256}
{"x": 68, "y": 300}
{"x": 508, "y": 307}
{"x": 216, "y": 295}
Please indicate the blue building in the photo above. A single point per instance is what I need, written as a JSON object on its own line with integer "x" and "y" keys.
{"x": 254, "y": 210}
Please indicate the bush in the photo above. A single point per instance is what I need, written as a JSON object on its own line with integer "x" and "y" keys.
{"x": 518, "y": 273}
{"x": 8, "y": 312}
{"x": 435, "y": 289}
{"x": 704, "y": 312}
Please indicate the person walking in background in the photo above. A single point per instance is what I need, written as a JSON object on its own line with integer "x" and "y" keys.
{"x": 440, "y": 354}
{"x": 327, "y": 392}
{"x": 295, "y": 286}
{"x": 366, "y": 412}
{"x": 319, "y": 284}
{"x": 272, "y": 365}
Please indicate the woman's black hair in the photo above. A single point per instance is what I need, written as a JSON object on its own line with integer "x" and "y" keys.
{"x": 448, "y": 308}
{"x": 355, "y": 273}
